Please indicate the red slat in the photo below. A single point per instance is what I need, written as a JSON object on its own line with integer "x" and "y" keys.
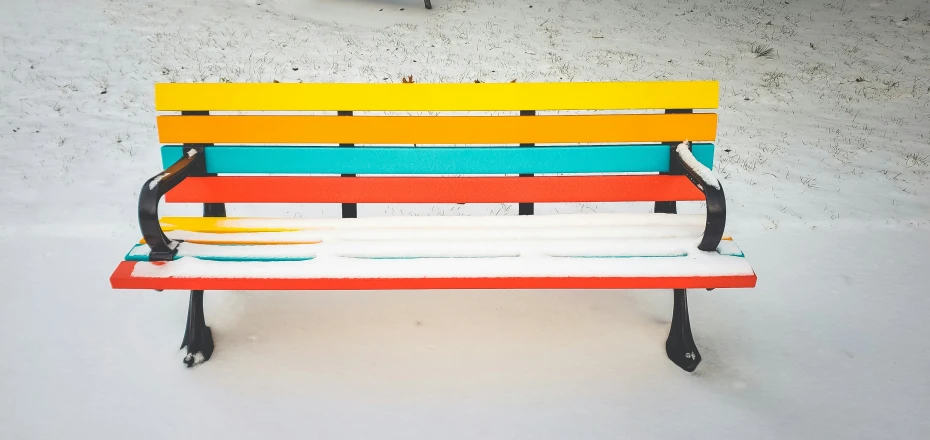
{"x": 122, "y": 279}
{"x": 310, "y": 189}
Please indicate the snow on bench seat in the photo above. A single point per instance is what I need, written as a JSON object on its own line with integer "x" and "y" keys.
{"x": 553, "y": 251}
{"x": 566, "y": 226}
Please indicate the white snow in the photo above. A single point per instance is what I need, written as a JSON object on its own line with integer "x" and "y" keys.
{"x": 539, "y": 256}
{"x": 415, "y": 229}
{"x": 693, "y": 264}
{"x": 504, "y": 246}
{"x": 194, "y": 359}
{"x": 244, "y": 252}
{"x": 823, "y": 148}
{"x": 154, "y": 182}
{"x": 706, "y": 175}
{"x": 309, "y": 236}
{"x": 461, "y": 222}
{"x": 460, "y": 248}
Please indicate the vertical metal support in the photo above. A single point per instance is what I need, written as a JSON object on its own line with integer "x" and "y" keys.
{"x": 349, "y": 210}
{"x": 197, "y": 336}
{"x": 527, "y": 208}
{"x": 209, "y": 209}
{"x": 428, "y": 4}
{"x": 670, "y": 207}
{"x": 680, "y": 346}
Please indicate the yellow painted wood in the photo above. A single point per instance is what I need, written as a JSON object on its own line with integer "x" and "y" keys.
{"x": 437, "y": 97}
{"x": 226, "y": 225}
{"x": 234, "y": 240}
{"x": 215, "y": 225}
{"x": 221, "y": 225}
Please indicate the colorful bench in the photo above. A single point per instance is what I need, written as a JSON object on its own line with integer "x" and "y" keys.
{"x": 643, "y": 155}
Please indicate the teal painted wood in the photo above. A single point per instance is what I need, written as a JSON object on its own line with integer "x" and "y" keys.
{"x": 140, "y": 252}
{"x": 438, "y": 160}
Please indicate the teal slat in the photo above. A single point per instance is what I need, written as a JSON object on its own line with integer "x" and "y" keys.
{"x": 140, "y": 252}
{"x": 438, "y": 160}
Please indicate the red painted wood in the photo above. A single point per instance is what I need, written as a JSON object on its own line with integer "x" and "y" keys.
{"x": 122, "y": 279}
{"x": 310, "y": 189}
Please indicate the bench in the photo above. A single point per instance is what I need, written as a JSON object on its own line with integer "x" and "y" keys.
{"x": 658, "y": 150}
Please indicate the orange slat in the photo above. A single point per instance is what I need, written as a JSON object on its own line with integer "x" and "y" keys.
{"x": 437, "y": 129}
{"x": 554, "y": 189}
{"x": 122, "y": 279}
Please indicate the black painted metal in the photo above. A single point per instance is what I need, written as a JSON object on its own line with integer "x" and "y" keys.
{"x": 197, "y": 336}
{"x": 214, "y": 209}
{"x": 209, "y": 209}
{"x": 671, "y": 207}
{"x": 716, "y": 204}
{"x": 349, "y": 210}
{"x": 162, "y": 248}
{"x": 428, "y": 4}
{"x": 527, "y": 208}
{"x": 680, "y": 346}
{"x": 666, "y": 207}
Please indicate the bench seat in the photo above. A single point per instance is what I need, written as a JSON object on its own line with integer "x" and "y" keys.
{"x": 578, "y": 251}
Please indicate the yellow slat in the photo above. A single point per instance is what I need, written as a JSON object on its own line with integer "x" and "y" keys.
{"x": 214, "y": 225}
{"x": 437, "y": 97}
{"x": 223, "y": 225}
{"x": 234, "y": 240}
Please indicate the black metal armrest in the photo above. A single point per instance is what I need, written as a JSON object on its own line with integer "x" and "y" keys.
{"x": 162, "y": 248}
{"x": 704, "y": 180}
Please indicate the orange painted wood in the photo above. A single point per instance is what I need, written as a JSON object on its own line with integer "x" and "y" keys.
{"x": 122, "y": 279}
{"x": 437, "y": 129}
{"x": 555, "y": 189}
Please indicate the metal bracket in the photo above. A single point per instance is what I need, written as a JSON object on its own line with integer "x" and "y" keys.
{"x": 715, "y": 200}
{"x": 680, "y": 346}
{"x": 209, "y": 209}
{"x": 671, "y": 206}
{"x": 190, "y": 164}
{"x": 349, "y": 210}
{"x": 527, "y": 208}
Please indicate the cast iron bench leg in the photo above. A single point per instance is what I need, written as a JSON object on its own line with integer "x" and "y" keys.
{"x": 680, "y": 346}
{"x": 197, "y": 336}
{"x": 428, "y": 4}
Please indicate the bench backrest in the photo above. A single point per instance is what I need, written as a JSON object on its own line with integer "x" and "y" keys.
{"x": 278, "y": 131}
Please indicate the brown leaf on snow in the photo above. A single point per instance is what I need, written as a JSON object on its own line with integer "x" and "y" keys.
{"x": 513, "y": 80}
{"x": 407, "y": 80}
{"x": 477, "y": 81}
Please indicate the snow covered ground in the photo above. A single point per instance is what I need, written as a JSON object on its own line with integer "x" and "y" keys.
{"x": 825, "y": 158}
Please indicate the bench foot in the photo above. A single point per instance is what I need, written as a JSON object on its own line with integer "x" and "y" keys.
{"x": 680, "y": 346}
{"x": 197, "y": 336}
{"x": 428, "y": 4}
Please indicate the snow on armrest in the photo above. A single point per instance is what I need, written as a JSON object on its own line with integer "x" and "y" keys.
{"x": 691, "y": 163}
